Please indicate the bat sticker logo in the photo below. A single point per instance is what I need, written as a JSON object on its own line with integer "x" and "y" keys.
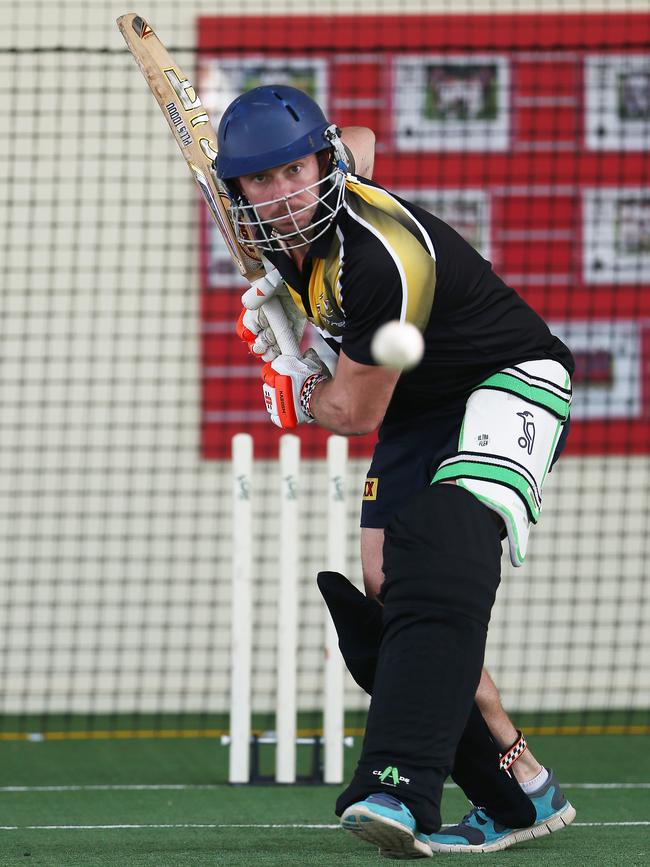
{"x": 141, "y": 27}
{"x": 184, "y": 135}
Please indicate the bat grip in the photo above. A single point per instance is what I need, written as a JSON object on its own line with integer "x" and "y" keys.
{"x": 281, "y": 327}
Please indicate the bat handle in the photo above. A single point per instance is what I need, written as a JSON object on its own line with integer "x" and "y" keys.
{"x": 280, "y": 326}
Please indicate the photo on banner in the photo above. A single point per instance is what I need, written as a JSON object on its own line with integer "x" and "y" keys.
{"x": 466, "y": 209}
{"x": 617, "y": 102}
{"x": 616, "y": 234}
{"x": 610, "y": 380}
{"x": 451, "y": 102}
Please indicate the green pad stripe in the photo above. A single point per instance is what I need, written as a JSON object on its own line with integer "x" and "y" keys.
{"x": 491, "y": 473}
{"x": 536, "y": 394}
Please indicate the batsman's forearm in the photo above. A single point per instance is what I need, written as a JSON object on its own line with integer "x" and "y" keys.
{"x": 332, "y": 410}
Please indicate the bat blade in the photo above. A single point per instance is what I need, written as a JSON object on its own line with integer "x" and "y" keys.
{"x": 195, "y": 136}
{"x": 191, "y": 127}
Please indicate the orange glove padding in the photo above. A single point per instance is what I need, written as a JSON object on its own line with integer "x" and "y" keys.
{"x": 288, "y": 386}
{"x": 253, "y": 328}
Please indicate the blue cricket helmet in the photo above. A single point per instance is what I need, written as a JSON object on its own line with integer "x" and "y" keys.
{"x": 267, "y": 127}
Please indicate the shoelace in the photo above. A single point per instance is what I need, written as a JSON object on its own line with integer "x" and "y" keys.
{"x": 475, "y": 812}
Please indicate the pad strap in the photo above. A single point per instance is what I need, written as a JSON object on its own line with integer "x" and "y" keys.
{"x": 510, "y": 756}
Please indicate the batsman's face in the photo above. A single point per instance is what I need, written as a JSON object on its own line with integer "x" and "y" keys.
{"x": 286, "y": 197}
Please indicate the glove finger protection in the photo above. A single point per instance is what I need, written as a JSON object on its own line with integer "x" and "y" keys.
{"x": 253, "y": 328}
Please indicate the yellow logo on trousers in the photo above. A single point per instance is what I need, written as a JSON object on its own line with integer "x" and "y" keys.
{"x": 370, "y": 489}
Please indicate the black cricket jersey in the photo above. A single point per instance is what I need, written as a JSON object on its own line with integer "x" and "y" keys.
{"x": 384, "y": 258}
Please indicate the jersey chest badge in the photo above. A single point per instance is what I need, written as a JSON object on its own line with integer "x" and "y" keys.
{"x": 327, "y": 314}
{"x": 330, "y": 316}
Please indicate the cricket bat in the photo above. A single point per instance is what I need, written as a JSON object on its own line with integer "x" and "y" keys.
{"x": 196, "y": 138}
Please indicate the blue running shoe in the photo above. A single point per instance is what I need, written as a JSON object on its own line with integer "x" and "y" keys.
{"x": 477, "y": 832}
{"x": 383, "y": 820}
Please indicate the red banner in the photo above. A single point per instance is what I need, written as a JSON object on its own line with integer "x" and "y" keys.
{"x": 528, "y": 133}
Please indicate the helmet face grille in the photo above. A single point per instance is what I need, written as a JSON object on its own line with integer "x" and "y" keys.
{"x": 263, "y": 234}
{"x": 273, "y": 126}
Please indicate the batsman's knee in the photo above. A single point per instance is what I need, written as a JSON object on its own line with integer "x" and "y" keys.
{"x": 443, "y": 552}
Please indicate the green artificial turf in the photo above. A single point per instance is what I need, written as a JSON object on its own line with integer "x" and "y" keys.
{"x": 203, "y": 820}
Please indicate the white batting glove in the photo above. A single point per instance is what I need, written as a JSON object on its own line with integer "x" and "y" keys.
{"x": 262, "y": 289}
{"x": 253, "y": 325}
{"x": 288, "y": 386}
{"x": 254, "y": 329}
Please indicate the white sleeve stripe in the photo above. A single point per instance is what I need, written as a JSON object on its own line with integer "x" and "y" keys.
{"x": 337, "y": 338}
{"x": 392, "y": 254}
{"x": 339, "y": 234}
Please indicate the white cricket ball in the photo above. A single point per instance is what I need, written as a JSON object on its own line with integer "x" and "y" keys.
{"x": 399, "y": 345}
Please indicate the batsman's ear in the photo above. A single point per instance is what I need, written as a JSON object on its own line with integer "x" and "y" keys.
{"x": 324, "y": 158}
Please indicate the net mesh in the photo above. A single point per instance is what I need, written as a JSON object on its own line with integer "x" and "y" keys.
{"x": 122, "y": 382}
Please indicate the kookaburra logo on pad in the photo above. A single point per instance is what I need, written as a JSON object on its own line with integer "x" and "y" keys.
{"x": 527, "y": 441}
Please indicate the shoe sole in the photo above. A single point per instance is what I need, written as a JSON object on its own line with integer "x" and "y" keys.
{"x": 541, "y": 829}
{"x": 388, "y": 834}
